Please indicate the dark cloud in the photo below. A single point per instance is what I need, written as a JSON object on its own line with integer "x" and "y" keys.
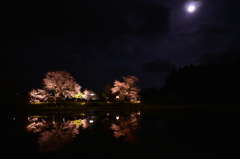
{"x": 158, "y": 66}
{"x": 221, "y": 57}
{"x": 94, "y": 20}
{"x": 116, "y": 70}
{"x": 207, "y": 29}
{"x": 114, "y": 18}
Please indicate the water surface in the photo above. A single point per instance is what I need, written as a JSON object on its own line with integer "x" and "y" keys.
{"x": 120, "y": 133}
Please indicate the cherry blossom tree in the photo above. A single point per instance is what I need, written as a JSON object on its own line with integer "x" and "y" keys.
{"x": 38, "y": 95}
{"x": 61, "y": 84}
{"x": 127, "y": 89}
{"x": 88, "y": 94}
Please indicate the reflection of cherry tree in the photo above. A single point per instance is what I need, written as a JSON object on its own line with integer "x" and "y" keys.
{"x": 84, "y": 123}
{"x": 58, "y": 137}
{"x": 127, "y": 128}
{"x": 36, "y": 125}
{"x": 53, "y": 136}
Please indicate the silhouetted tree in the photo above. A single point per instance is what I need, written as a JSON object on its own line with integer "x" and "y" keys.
{"x": 151, "y": 95}
{"x": 203, "y": 84}
{"x": 107, "y": 92}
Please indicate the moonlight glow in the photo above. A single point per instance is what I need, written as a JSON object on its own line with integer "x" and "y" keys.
{"x": 191, "y": 8}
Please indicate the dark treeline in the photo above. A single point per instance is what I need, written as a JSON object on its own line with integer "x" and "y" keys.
{"x": 203, "y": 84}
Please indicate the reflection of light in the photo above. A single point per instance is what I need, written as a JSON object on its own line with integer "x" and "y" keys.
{"x": 138, "y": 101}
{"x": 14, "y": 118}
{"x": 90, "y": 121}
{"x": 63, "y": 119}
{"x": 138, "y": 113}
{"x": 107, "y": 114}
{"x": 117, "y": 117}
{"x": 92, "y": 94}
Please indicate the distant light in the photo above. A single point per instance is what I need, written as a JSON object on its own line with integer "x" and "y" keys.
{"x": 117, "y": 117}
{"x": 90, "y": 121}
{"x": 92, "y": 94}
{"x": 14, "y": 118}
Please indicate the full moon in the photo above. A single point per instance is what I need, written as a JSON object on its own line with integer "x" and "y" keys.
{"x": 191, "y": 8}
{"x": 192, "y": 5}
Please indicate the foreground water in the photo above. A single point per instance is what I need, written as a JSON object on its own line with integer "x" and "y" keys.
{"x": 120, "y": 133}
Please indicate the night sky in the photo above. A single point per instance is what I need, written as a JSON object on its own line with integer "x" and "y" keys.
{"x": 98, "y": 41}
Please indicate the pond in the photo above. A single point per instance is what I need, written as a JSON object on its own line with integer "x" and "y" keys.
{"x": 120, "y": 133}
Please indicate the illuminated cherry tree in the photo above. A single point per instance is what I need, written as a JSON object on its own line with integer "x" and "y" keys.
{"x": 38, "y": 95}
{"x": 126, "y": 89}
{"x": 61, "y": 84}
{"x": 88, "y": 94}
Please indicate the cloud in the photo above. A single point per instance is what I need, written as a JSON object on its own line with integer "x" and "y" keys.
{"x": 142, "y": 19}
{"x": 221, "y": 57}
{"x": 207, "y": 29}
{"x": 158, "y": 65}
{"x": 116, "y": 70}
{"x": 131, "y": 17}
